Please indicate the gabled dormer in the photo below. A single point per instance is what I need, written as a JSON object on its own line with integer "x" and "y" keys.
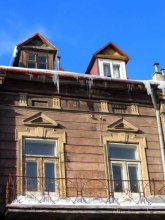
{"x": 109, "y": 61}
{"x": 35, "y": 52}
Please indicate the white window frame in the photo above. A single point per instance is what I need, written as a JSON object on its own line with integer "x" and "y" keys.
{"x": 124, "y": 163}
{"x": 41, "y": 159}
{"x": 121, "y": 64}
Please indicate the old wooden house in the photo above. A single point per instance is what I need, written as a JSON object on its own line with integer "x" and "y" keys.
{"x": 80, "y": 146}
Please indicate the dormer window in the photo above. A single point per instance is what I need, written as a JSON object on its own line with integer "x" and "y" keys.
{"x": 112, "y": 68}
{"x": 116, "y": 71}
{"x": 38, "y": 61}
{"x": 109, "y": 61}
{"x": 107, "y": 69}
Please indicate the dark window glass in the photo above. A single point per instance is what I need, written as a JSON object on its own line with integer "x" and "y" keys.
{"x": 41, "y": 66}
{"x": 116, "y": 71}
{"x": 31, "y": 65}
{"x": 49, "y": 169}
{"x": 31, "y": 173}
{"x": 122, "y": 152}
{"x": 41, "y": 61}
{"x": 39, "y": 147}
{"x": 133, "y": 177}
{"x": 106, "y": 69}
{"x": 31, "y": 57}
{"x": 117, "y": 177}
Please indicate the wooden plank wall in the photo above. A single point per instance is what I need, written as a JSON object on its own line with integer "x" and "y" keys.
{"x": 84, "y": 153}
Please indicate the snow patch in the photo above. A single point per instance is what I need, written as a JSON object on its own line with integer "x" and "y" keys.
{"x": 151, "y": 201}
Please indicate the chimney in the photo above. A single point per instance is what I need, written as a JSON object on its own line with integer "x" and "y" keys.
{"x": 158, "y": 75}
{"x": 156, "y": 65}
{"x": 58, "y": 62}
{"x": 162, "y": 70}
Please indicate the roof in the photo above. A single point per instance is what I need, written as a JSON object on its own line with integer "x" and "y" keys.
{"x": 43, "y": 39}
{"x": 30, "y": 43}
{"x": 72, "y": 75}
{"x": 109, "y": 51}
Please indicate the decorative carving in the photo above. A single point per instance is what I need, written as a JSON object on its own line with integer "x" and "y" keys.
{"x": 41, "y": 132}
{"x": 104, "y": 106}
{"x": 119, "y": 108}
{"x": 122, "y": 125}
{"x": 2, "y": 79}
{"x": 56, "y": 103}
{"x": 40, "y": 119}
{"x": 128, "y": 139}
{"x": 23, "y": 99}
{"x": 135, "y": 109}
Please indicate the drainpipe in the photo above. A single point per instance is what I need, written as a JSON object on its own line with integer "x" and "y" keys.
{"x": 160, "y": 131}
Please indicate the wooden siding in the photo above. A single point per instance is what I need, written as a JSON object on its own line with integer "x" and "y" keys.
{"x": 83, "y": 149}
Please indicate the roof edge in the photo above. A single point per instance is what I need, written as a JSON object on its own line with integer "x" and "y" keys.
{"x": 40, "y": 36}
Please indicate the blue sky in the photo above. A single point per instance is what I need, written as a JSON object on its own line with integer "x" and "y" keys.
{"x": 79, "y": 28}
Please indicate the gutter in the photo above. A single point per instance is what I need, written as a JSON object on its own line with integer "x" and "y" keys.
{"x": 151, "y": 92}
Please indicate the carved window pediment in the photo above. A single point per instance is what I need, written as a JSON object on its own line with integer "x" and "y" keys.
{"x": 122, "y": 125}
{"x": 40, "y": 119}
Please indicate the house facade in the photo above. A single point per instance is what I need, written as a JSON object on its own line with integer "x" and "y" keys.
{"x": 79, "y": 146}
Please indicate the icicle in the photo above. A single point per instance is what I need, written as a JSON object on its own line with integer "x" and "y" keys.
{"x": 55, "y": 79}
{"x": 77, "y": 78}
{"x": 89, "y": 83}
{"x": 31, "y": 76}
{"x": 162, "y": 86}
{"x": 148, "y": 87}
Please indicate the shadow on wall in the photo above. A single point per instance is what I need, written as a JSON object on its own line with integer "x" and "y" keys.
{"x": 7, "y": 154}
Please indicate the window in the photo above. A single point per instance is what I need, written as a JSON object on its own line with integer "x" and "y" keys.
{"x": 112, "y": 68}
{"x": 116, "y": 71}
{"x": 31, "y": 60}
{"x": 38, "y": 61}
{"x": 40, "y": 165}
{"x": 106, "y": 69}
{"x": 124, "y": 167}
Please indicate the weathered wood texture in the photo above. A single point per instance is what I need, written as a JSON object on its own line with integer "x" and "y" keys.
{"x": 83, "y": 150}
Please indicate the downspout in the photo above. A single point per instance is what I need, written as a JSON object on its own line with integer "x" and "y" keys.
{"x": 159, "y": 125}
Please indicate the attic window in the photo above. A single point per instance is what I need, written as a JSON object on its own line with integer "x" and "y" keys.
{"x": 31, "y": 60}
{"x": 38, "y": 61}
{"x": 111, "y": 68}
{"x": 42, "y": 61}
{"x": 116, "y": 71}
{"x": 106, "y": 69}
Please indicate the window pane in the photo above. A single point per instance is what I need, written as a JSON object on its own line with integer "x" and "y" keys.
{"x": 41, "y": 66}
{"x": 40, "y": 147}
{"x": 31, "y": 176}
{"x": 116, "y": 71}
{"x": 117, "y": 177}
{"x": 118, "y": 151}
{"x": 31, "y": 57}
{"x": 31, "y": 65}
{"x": 133, "y": 177}
{"x": 106, "y": 69}
{"x": 41, "y": 59}
{"x": 49, "y": 177}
